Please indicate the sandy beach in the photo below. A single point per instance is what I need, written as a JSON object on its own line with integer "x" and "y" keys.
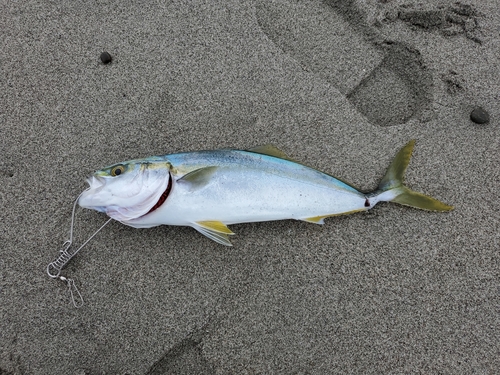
{"x": 338, "y": 85}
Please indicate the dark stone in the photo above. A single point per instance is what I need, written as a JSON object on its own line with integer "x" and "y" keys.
{"x": 479, "y": 116}
{"x": 106, "y": 58}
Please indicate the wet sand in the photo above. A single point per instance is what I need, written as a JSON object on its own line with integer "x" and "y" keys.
{"x": 337, "y": 85}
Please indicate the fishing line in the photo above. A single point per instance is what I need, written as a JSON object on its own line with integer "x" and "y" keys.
{"x": 54, "y": 268}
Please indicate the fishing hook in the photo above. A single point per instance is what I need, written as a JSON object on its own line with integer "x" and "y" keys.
{"x": 54, "y": 268}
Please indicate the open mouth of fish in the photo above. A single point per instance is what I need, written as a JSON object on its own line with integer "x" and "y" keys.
{"x": 163, "y": 197}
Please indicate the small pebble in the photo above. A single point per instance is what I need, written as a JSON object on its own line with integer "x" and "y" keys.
{"x": 479, "y": 116}
{"x": 106, "y": 58}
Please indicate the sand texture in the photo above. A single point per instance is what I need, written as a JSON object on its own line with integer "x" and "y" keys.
{"x": 338, "y": 85}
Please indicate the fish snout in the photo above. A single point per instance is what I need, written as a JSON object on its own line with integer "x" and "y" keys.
{"x": 95, "y": 182}
{"x": 88, "y": 198}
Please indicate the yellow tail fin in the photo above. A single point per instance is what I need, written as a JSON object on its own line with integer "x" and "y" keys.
{"x": 393, "y": 181}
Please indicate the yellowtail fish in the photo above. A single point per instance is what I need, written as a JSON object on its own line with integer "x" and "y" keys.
{"x": 209, "y": 190}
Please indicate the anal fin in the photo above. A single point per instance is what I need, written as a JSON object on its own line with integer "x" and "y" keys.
{"x": 321, "y": 219}
{"x": 316, "y": 219}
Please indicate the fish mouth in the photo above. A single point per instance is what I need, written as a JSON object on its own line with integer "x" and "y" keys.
{"x": 163, "y": 197}
{"x": 95, "y": 182}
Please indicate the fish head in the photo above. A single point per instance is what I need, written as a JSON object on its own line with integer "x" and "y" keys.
{"x": 128, "y": 190}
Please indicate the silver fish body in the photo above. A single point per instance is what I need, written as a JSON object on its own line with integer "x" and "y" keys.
{"x": 209, "y": 190}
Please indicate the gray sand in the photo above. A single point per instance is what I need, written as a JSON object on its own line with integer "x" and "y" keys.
{"x": 338, "y": 85}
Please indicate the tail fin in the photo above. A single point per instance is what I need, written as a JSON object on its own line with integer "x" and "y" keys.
{"x": 398, "y": 193}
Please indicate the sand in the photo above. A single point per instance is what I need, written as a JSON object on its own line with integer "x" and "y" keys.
{"x": 338, "y": 85}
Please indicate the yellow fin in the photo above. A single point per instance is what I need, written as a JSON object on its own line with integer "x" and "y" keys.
{"x": 393, "y": 181}
{"x": 321, "y": 219}
{"x": 315, "y": 219}
{"x": 396, "y": 172}
{"x": 411, "y": 198}
{"x": 215, "y": 230}
{"x": 271, "y": 151}
{"x": 216, "y": 226}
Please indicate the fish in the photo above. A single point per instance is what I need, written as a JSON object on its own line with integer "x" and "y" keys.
{"x": 209, "y": 190}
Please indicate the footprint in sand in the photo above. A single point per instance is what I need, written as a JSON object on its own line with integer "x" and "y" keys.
{"x": 186, "y": 357}
{"x": 386, "y": 81}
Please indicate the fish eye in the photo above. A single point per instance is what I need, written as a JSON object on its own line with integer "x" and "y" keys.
{"x": 117, "y": 170}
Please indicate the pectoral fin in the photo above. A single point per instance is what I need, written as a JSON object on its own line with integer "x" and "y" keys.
{"x": 198, "y": 178}
{"x": 215, "y": 230}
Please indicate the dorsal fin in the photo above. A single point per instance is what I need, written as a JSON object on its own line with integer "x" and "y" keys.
{"x": 271, "y": 151}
